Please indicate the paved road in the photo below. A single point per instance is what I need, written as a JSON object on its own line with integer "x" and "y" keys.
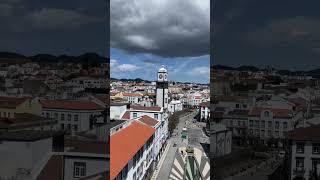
{"x": 175, "y": 139}
{"x": 260, "y": 172}
{"x": 197, "y": 137}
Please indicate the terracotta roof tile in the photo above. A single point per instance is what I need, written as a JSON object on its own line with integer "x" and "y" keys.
{"x": 126, "y": 115}
{"x": 143, "y": 108}
{"x": 12, "y": 102}
{"x": 126, "y": 143}
{"x": 72, "y": 105}
{"x": 83, "y": 146}
{"x": 148, "y": 120}
{"x": 278, "y": 113}
{"x": 308, "y": 133}
{"x": 53, "y": 169}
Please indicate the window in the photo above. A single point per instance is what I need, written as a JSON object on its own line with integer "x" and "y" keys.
{"x": 56, "y": 116}
{"x": 62, "y": 117}
{"x": 251, "y": 123}
{"x": 75, "y": 127}
{"x": 76, "y": 117}
{"x": 69, "y": 126}
{"x": 269, "y": 133}
{"x": 134, "y": 115}
{"x": 47, "y": 115}
{"x": 266, "y": 114}
{"x": 277, "y": 133}
{"x": 262, "y": 133}
{"x": 62, "y": 126}
{"x": 300, "y": 148}
{"x": 251, "y": 131}
{"x": 156, "y": 116}
{"x": 8, "y": 115}
{"x": 263, "y": 124}
{"x": 315, "y": 163}
{"x": 269, "y": 124}
{"x": 257, "y": 132}
{"x": 277, "y": 124}
{"x": 231, "y": 122}
{"x": 79, "y": 169}
{"x": 239, "y": 123}
{"x": 299, "y": 162}
{"x": 285, "y": 125}
{"x": 316, "y": 148}
{"x": 69, "y": 117}
{"x": 237, "y": 106}
{"x": 256, "y": 124}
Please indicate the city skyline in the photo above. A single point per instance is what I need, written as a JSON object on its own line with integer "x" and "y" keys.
{"x": 145, "y": 66}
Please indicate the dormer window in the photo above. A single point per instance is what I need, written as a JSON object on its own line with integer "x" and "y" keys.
{"x": 266, "y": 114}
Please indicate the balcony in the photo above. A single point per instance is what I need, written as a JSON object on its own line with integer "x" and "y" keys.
{"x": 299, "y": 171}
{"x": 314, "y": 175}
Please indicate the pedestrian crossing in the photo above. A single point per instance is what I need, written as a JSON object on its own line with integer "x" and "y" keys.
{"x": 181, "y": 169}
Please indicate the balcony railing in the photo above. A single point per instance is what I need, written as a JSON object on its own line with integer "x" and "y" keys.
{"x": 299, "y": 171}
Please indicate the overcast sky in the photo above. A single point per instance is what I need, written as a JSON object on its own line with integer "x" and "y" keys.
{"x": 70, "y": 27}
{"x": 284, "y": 34}
{"x": 175, "y": 33}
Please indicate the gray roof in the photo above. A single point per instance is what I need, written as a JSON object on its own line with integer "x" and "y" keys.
{"x": 28, "y": 135}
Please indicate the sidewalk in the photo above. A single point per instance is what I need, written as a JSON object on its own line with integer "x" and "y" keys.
{"x": 159, "y": 165}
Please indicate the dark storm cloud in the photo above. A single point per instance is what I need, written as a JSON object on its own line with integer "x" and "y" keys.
{"x": 56, "y": 27}
{"x": 152, "y": 61}
{"x": 165, "y": 28}
{"x": 285, "y": 34}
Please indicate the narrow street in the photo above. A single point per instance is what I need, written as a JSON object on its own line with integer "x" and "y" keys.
{"x": 175, "y": 139}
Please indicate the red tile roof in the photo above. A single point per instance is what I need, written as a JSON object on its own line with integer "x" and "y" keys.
{"x": 205, "y": 104}
{"x": 12, "y": 102}
{"x": 278, "y": 113}
{"x": 308, "y": 133}
{"x": 148, "y": 120}
{"x": 126, "y": 143}
{"x": 126, "y": 115}
{"x": 72, "y": 105}
{"x": 53, "y": 169}
{"x": 83, "y": 146}
{"x": 143, "y": 108}
{"x": 230, "y": 98}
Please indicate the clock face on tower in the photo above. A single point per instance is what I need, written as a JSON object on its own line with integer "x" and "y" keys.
{"x": 165, "y": 77}
{"x": 160, "y": 76}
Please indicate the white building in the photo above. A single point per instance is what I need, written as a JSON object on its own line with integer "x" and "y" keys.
{"x": 89, "y": 82}
{"x": 267, "y": 123}
{"x": 175, "y": 106}
{"x": 204, "y": 109}
{"x": 304, "y": 153}
{"x": 22, "y": 153}
{"x": 220, "y": 140}
{"x": 71, "y": 115}
{"x": 133, "y": 98}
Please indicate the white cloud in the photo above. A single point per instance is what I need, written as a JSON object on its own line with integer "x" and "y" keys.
{"x": 128, "y": 67}
{"x": 202, "y": 71}
{"x": 116, "y": 67}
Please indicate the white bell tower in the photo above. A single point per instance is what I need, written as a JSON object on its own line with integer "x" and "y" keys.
{"x": 162, "y": 88}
